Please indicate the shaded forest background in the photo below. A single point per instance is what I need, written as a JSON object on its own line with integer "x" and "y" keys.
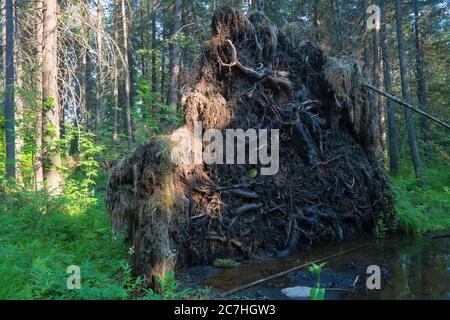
{"x": 85, "y": 82}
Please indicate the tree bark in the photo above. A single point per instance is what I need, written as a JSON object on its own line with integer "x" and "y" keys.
{"x": 364, "y": 34}
{"x": 84, "y": 69}
{"x": 405, "y": 92}
{"x": 337, "y": 37}
{"x": 154, "y": 73}
{"x": 316, "y": 22}
{"x": 19, "y": 101}
{"x": 127, "y": 77}
{"x": 377, "y": 111}
{"x": 9, "y": 91}
{"x": 99, "y": 78}
{"x": 163, "y": 62}
{"x": 392, "y": 132}
{"x": 172, "y": 95}
{"x": 115, "y": 136}
{"x": 421, "y": 78}
{"x": 52, "y": 159}
{"x": 38, "y": 166}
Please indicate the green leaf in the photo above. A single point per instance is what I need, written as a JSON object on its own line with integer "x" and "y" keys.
{"x": 314, "y": 268}
{"x": 253, "y": 173}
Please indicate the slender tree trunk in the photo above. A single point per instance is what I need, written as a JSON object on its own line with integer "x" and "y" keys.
{"x": 364, "y": 33}
{"x": 38, "y": 166}
{"x": 84, "y": 70}
{"x": 390, "y": 106}
{"x": 9, "y": 91}
{"x": 377, "y": 110}
{"x": 99, "y": 78}
{"x": 405, "y": 91}
{"x": 293, "y": 5}
{"x": 316, "y": 22}
{"x": 163, "y": 63}
{"x": 260, "y": 6}
{"x": 19, "y": 102}
{"x": 142, "y": 27}
{"x": 172, "y": 96}
{"x": 115, "y": 136}
{"x": 421, "y": 79}
{"x": 127, "y": 77}
{"x": 337, "y": 37}
{"x": 52, "y": 159}
{"x": 154, "y": 73}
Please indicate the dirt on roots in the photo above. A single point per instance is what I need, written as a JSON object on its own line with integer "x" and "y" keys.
{"x": 330, "y": 185}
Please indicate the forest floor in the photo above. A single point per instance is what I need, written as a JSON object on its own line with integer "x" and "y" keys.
{"x": 40, "y": 238}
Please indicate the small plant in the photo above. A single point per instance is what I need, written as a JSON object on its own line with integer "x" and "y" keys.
{"x": 253, "y": 173}
{"x": 170, "y": 289}
{"x": 317, "y": 293}
{"x": 225, "y": 263}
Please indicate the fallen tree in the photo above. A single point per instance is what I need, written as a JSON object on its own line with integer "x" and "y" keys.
{"x": 330, "y": 185}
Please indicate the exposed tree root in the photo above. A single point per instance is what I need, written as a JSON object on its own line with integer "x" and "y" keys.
{"x": 330, "y": 185}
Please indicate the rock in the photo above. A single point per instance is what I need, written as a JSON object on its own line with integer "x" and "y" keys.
{"x": 297, "y": 292}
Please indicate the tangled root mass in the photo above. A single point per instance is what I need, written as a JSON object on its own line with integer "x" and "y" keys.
{"x": 330, "y": 185}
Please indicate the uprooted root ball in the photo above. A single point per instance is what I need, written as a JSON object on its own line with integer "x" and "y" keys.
{"x": 330, "y": 185}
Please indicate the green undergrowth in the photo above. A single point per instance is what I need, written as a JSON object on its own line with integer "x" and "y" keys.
{"x": 425, "y": 208}
{"x": 40, "y": 238}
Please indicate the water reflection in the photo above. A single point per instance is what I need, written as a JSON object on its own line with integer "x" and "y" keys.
{"x": 414, "y": 268}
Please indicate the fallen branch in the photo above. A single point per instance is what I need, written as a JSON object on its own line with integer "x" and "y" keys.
{"x": 409, "y": 106}
{"x": 283, "y": 273}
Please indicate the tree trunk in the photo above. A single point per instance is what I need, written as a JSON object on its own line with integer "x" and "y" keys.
{"x": 99, "y": 78}
{"x": 142, "y": 27}
{"x": 9, "y": 92}
{"x": 115, "y": 136}
{"x": 421, "y": 79}
{"x": 293, "y": 4}
{"x": 260, "y": 5}
{"x": 84, "y": 69}
{"x": 154, "y": 73}
{"x": 377, "y": 110}
{"x": 364, "y": 34}
{"x": 19, "y": 101}
{"x": 337, "y": 37}
{"x": 172, "y": 95}
{"x": 38, "y": 166}
{"x": 405, "y": 92}
{"x": 127, "y": 77}
{"x": 392, "y": 132}
{"x": 163, "y": 63}
{"x": 316, "y": 22}
{"x": 52, "y": 159}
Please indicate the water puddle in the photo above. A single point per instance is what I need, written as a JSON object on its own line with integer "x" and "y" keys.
{"x": 411, "y": 268}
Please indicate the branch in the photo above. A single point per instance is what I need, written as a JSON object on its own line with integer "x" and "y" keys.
{"x": 407, "y": 105}
{"x": 258, "y": 74}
